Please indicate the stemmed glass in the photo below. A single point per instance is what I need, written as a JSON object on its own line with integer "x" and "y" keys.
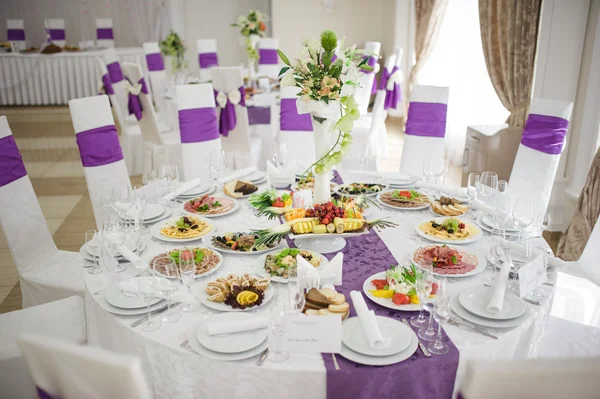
{"x": 106, "y": 205}
{"x": 122, "y": 200}
{"x": 440, "y": 168}
{"x": 276, "y": 325}
{"x": 438, "y": 287}
{"x": 502, "y": 186}
{"x": 167, "y": 273}
{"x": 523, "y": 214}
{"x": 92, "y": 239}
{"x": 472, "y": 187}
{"x": 147, "y": 292}
{"x": 423, "y": 285}
{"x": 488, "y": 184}
{"x": 139, "y": 203}
{"x": 187, "y": 270}
{"x": 502, "y": 210}
{"x": 113, "y": 235}
{"x": 171, "y": 176}
{"x": 279, "y": 152}
{"x": 441, "y": 314}
{"x": 543, "y": 222}
{"x": 495, "y": 253}
{"x": 295, "y": 292}
{"x": 516, "y": 259}
{"x": 427, "y": 172}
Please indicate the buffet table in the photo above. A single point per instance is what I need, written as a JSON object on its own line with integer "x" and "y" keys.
{"x": 176, "y": 372}
{"x": 54, "y": 79}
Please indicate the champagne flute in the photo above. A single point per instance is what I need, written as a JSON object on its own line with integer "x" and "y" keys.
{"x": 166, "y": 270}
{"x": 93, "y": 242}
{"x": 441, "y": 314}
{"x": 276, "y": 325}
{"x": 438, "y": 287}
{"x": 187, "y": 270}
{"x": 440, "y": 167}
{"x": 147, "y": 292}
{"x": 502, "y": 210}
{"x": 295, "y": 293}
{"x": 427, "y": 172}
{"x": 472, "y": 187}
{"x": 495, "y": 253}
{"x": 423, "y": 285}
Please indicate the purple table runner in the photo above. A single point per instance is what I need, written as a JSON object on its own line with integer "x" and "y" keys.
{"x": 416, "y": 377}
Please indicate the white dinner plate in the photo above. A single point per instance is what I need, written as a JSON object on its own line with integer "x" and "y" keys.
{"x": 485, "y": 322}
{"x": 354, "y": 338}
{"x": 201, "y": 350}
{"x": 208, "y": 241}
{"x": 385, "y": 302}
{"x": 527, "y": 233}
{"x": 164, "y": 215}
{"x": 491, "y": 223}
{"x": 256, "y": 176}
{"x": 195, "y": 191}
{"x": 234, "y": 342}
{"x": 222, "y": 307}
{"x": 481, "y": 264}
{"x": 210, "y": 190}
{"x": 400, "y": 184}
{"x": 86, "y": 252}
{"x": 397, "y": 208}
{"x": 101, "y": 300}
{"x": 155, "y": 230}
{"x": 259, "y": 266}
{"x": 151, "y": 211}
{"x": 337, "y": 189}
{"x": 236, "y": 206}
{"x": 476, "y": 299}
{"x": 467, "y": 240}
{"x": 382, "y": 360}
{"x": 117, "y": 298}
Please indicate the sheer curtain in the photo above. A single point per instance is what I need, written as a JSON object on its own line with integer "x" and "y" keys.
{"x": 457, "y": 61}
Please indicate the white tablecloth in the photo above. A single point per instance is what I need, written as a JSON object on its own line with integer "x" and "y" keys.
{"x": 179, "y": 373}
{"x": 54, "y": 79}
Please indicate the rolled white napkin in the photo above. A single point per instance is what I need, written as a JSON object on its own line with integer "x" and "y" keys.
{"x": 390, "y": 176}
{"x": 183, "y": 187}
{"x": 368, "y": 322}
{"x": 234, "y": 326}
{"x": 479, "y": 205}
{"x": 497, "y": 298}
{"x": 131, "y": 286}
{"x": 128, "y": 254}
{"x": 238, "y": 174}
{"x": 152, "y": 191}
{"x": 452, "y": 191}
{"x": 552, "y": 261}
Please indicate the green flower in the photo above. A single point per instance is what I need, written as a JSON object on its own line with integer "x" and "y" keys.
{"x": 328, "y": 40}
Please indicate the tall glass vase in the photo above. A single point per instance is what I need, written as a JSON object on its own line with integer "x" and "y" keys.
{"x": 325, "y": 136}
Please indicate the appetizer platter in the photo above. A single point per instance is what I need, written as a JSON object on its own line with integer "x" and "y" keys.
{"x": 237, "y": 293}
{"x": 209, "y": 206}
{"x": 448, "y": 206}
{"x": 271, "y": 198}
{"x": 355, "y": 189}
{"x": 449, "y": 261}
{"x": 308, "y": 182}
{"x": 207, "y": 261}
{"x": 326, "y": 302}
{"x": 395, "y": 288}
{"x": 449, "y": 230}
{"x": 243, "y": 243}
{"x": 239, "y": 189}
{"x": 276, "y": 265}
{"x": 182, "y": 229}
{"x": 403, "y": 199}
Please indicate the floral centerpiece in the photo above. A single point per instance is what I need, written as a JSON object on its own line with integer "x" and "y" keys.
{"x": 173, "y": 47}
{"x": 252, "y": 28}
{"x": 327, "y": 93}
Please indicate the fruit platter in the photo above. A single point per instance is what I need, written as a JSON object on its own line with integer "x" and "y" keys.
{"x": 242, "y": 243}
{"x": 395, "y": 288}
{"x": 449, "y": 230}
{"x": 237, "y": 293}
{"x": 447, "y": 206}
{"x": 355, "y": 189}
{"x": 210, "y": 206}
{"x": 403, "y": 199}
{"x": 449, "y": 261}
{"x": 206, "y": 260}
{"x": 277, "y": 265}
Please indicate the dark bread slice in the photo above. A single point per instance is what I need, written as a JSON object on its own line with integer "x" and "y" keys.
{"x": 244, "y": 187}
{"x": 315, "y": 297}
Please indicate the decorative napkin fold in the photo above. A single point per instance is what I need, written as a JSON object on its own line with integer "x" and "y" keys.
{"x": 238, "y": 174}
{"x": 128, "y": 254}
{"x": 388, "y": 176}
{"x": 308, "y": 276}
{"x": 499, "y": 290}
{"x": 552, "y": 260}
{"x": 131, "y": 286}
{"x": 335, "y": 268}
{"x": 152, "y": 191}
{"x": 183, "y": 187}
{"x": 234, "y": 326}
{"x": 452, "y": 191}
{"x": 368, "y": 323}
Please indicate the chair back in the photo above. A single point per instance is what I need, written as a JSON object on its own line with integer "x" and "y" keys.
{"x": 365, "y": 89}
{"x": 207, "y": 57}
{"x": 15, "y": 33}
{"x": 378, "y": 106}
{"x": 425, "y": 127}
{"x": 115, "y": 72}
{"x": 156, "y": 72}
{"x": 542, "y": 142}
{"x": 295, "y": 130}
{"x": 104, "y": 33}
{"x": 99, "y": 148}
{"x": 21, "y": 217}
{"x": 268, "y": 61}
{"x": 61, "y": 369}
{"x": 55, "y": 29}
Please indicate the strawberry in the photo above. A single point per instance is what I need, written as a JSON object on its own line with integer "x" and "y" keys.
{"x": 325, "y": 221}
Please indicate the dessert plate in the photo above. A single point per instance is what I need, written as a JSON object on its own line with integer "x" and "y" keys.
{"x": 234, "y": 342}
{"x": 485, "y": 322}
{"x": 354, "y": 338}
{"x": 476, "y": 301}
{"x": 382, "y": 360}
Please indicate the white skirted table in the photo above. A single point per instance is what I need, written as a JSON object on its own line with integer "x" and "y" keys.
{"x": 175, "y": 372}
{"x": 54, "y": 79}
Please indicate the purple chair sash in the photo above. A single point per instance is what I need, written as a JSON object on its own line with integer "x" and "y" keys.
{"x": 197, "y": 125}
{"x": 115, "y": 72}
{"x": 155, "y": 62}
{"x": 208, "y": 60}
{"x": 104, "y": 34}
{"x": 394, "y": 96}
{"x": 545, "y": 133}
{"x": 44, "y": 395}
{"x": 259, "y": 115}
{"x": 99, "y": 146}
{"x": 56, "y": 34}
{"x": 291, "y": 120}
{"x": 15, "y": 34}
{"x": 426, "y": 119}
{"x": 108, "y": 89}
{"x": 134, "y": 104}
{"x": 11, "y": 163}
{"x": 372, "y": 62}
{"x": 385, "y": 75}
{"x": 228, "y": 119}
{"x": 268, "y": 56}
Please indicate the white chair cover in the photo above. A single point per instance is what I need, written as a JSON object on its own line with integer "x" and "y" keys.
{"x": 267, "y": 69}
{"x": 207, "y": 55}
{"x": 56, "y": 31}
{"x": 363, "y": 92}
{"x": 15, "y": 33}
{"x": 46, "y": 274}
{"x": 416, "y": 147}
{"x": 91, "y": 113}
{"x": 67, "y": 371}
{"x": 532, "y": 379}
{"x": 263, "y": 134}
{"x": 300, "y": 144}
{"x": 64, "y": 318}
{"x": 534, "y": 171}
{"x": 196, "y": 149}
{"x": 115, "y": 71}
{"x": 104, "y": 33}
{"x": 156, "y": 73}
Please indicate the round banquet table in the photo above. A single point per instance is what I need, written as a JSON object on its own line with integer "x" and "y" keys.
{"x": 175, "y": 372}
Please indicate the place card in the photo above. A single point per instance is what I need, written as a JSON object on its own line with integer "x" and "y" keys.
{"x": 308, "y": 334}
{"x": 532, "y": 275}
{"x": 303, "y": 199}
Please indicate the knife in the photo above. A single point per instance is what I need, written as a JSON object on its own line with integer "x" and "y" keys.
{"x": 262, "y": 357}
{"x": 154, "y": 313}
{"x": 472, "y": 328}
{"x": 423, "y": 347}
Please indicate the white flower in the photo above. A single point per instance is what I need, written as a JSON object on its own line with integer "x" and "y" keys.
{"x": 288, "y": 78}
{"x": 313, "y": 45}
{"x": 241, "y": 20}
{"x": 352, "y": 74}
{"x": 348, "y": 90}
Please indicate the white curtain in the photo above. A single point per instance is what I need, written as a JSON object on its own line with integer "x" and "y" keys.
{"x": 457, "y": 62}
{"x": 150, "y": 19}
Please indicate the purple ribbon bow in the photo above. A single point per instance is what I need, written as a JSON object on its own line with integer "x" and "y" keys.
{"x": 394, "y": 96}
{"x": 291, "y": 120}
{"x": 104, "y": 34}
{"x": 372, "y": 62}
{"x": 155, "y": 62}
{"x": 15, "y": 35}
{"x": 115, "y": 72}
{"x": 208, "y": 60}
{"x": 11, "y": 163}
{"x": 134, "y": 104}
{"x": 108, "y": 89}
{"x": 426, "y": 119}
{"x": 198, "y": 124}
{"x": 99, "y": 146}
{"x": 228, "y": 119}
{"x": 545, "y": 133}
{"x": 268, "y": 56}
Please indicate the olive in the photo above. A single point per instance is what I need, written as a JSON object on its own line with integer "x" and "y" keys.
{"x": 435, "y": 225}
{"x": 194, "y": 226}
{"x": 182, "y": 229}
{"x": 450, "y": 231}
{"x": 254, "y": 248}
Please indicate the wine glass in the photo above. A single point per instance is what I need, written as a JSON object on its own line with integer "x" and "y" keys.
{"x": 279, "y": 152}
{"x": 488, "y": 184}
{"x": 423, "y": 285}
{"x": 502, "y": 210}
{"x": 439, "y": 168}
{"x": 441, "y": 314}
{"x": 516, "y": 258}
{"x": 427, "y": 169}
{"x": 106, "y": 205}
{"x": 166, "y": 270}
{"x": 502, "y": 186}
{"x": 147, "y": 292}
{"x": 187, "y": 270}
{"x": 113, "y": 235}
{"x": 543, "y": 221}
{"x": 171, "y": 176}
{"x": 93, "y": 242}
{"x": 122, "y": 200}
{"x": 523, "y": 214}
{"x": 295, "y": 292}
{"x": 495, "y": 253}
{"x": 140, "y": 202}
{"x": 472, "y": 187}
{"x": 276, "y": 325}
{"x": 438, "y": 286}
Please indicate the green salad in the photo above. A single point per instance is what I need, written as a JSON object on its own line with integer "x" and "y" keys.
{"x": 198, "y": 256}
